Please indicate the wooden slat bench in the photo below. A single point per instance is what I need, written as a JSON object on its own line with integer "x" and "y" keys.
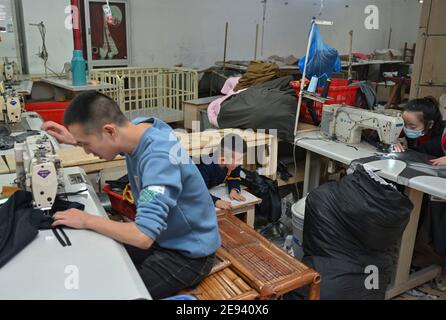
{"x": 264, "y": 266}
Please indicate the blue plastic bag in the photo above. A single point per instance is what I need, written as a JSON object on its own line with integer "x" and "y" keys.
{"x": 323, "y": 60}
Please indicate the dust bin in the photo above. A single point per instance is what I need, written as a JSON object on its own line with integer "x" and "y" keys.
{"x": 298, "y": 211}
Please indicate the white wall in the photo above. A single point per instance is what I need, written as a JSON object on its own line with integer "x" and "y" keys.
{"x": 59, "y": 40}
{"x": 191, "y": 32}
{"x": 405, "y": 22}
{"x": 8, "y": 46}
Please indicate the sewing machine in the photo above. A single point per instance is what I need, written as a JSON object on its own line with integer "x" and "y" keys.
{"x": 11, "y": 107}
{"x": 10, "y": 71}
{"x": 345, "y": 123}
{"x": 38, "y": 170}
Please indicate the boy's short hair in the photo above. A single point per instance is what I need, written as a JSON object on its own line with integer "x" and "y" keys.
{"x": 93, "y": 110}
{"x": 233, "y": 142}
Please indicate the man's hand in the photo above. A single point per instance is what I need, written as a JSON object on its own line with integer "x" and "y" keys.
{"x": 234, "y": 195}
{"x": 224, "y": 205}
{"x": 59, "y": 132}
{"x": 72, "y": 218}
{"x": 399, "y": 148}
{"x": 439, "y": 162}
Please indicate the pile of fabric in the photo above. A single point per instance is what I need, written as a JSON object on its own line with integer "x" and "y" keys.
{"x": 20, "y": 224}
{"x": 352, "y": 228}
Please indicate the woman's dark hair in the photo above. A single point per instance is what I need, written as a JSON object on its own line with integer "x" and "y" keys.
{"x": 429, "y": 108}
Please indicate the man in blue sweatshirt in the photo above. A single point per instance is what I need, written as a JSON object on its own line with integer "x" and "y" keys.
{"x": 175, "y": 234}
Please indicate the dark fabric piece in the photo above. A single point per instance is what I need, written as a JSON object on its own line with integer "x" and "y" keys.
{"x": 257, "y": 73}
{"x": 4, "y": 130}
{"x": 346, "y": 281}
{"x": 118, "y": 185}
{"x": 270, "y": 209}
{"x": 166, "y": 272}
{"x": 19, "y": 223}
{"x": 350, "y": 225}
{"x": 367, "y": 94}
{"x": 271, "y": 105}
{"x": 7, "y": 141}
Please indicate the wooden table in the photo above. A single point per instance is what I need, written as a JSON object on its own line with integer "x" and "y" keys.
{"x": 263, "y": 144}
{"x": 238, "y": 207}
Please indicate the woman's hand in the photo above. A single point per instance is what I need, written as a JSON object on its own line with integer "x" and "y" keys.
{"x": 439, "y": 162}
{"x": 398, "y": 148}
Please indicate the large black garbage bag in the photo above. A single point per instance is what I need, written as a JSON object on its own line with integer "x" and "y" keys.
{"x": 270, "y": 208}
{"x": 354, "y": 222}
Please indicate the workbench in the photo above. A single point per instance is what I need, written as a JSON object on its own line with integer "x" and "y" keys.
{"x": 261, "y": 146}
{"x": 101, "y": 265}
{"x": 391, "y": 170}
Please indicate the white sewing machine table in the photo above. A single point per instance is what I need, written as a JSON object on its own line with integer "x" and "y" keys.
{"x": 46, "y": 270}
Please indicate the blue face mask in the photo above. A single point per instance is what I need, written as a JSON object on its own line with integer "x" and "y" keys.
{"x": 413, "y": 134}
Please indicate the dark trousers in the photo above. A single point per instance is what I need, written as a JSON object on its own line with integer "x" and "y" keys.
{"x": 166, "y": 272}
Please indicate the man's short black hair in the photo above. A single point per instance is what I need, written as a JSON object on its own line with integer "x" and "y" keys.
{"x": 93, "y": 110}
{"x": 234, "y": 143}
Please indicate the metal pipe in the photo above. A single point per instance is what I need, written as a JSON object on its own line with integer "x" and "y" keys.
{"x": 256, "y": 42}
{"x": 304, "y": 73}
{"x": 77, "y": 33}
{"x": 226, "y": 43}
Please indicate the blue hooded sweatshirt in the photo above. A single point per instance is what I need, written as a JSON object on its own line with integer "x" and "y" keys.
{"x": 174, "y": 207}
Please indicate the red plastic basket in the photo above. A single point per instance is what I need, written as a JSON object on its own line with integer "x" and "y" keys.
{"x": 49, "y": 111}
{"x": 339, "y": 90}
{"x": 120, "y": 205}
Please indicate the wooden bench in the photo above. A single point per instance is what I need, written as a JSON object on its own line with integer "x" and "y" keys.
{"x": 264, "y": 266}
{"x": 223, "y": 285}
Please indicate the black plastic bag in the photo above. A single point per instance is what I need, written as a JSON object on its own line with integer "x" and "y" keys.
{"x": 350, "y": 225}
{"x": 270, "y": 209}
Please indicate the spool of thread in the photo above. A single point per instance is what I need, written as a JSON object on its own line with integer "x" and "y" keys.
{"x": 326, "y": 88}
{"x": 313, "y": 84}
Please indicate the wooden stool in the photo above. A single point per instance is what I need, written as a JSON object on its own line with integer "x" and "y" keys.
{"x": 264, "y": 266}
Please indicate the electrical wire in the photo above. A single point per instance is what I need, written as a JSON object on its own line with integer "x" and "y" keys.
{"x": 43, "y": 54}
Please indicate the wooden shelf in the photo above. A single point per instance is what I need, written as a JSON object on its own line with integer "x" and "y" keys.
{"x": 294, "y": 179}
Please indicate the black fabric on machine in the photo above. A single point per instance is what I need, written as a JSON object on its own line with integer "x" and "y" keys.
{"x": 7, "y": 141}
{"x": 4, "y": 130}
{"x": 119, "y": 184}
{"x": 366, "y": 94}
{"x": 350, "y": 225}
{"x": 20, "y": 223}
{"x": 270, "y": 209}
{"x": 271, "y": 105}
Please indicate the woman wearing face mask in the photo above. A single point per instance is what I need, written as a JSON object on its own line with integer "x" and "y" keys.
{"x": 424, "y": 127}
{"x": 425, "y": 132}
